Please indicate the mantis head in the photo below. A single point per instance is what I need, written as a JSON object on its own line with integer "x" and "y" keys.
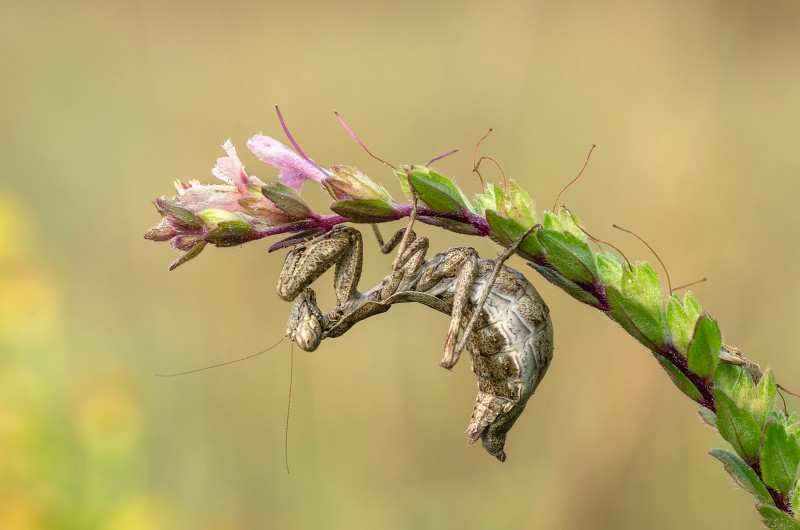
{"x": 305, "y": 321}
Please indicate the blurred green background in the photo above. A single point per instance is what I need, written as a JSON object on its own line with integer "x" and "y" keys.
{"x": 695, "y": 107}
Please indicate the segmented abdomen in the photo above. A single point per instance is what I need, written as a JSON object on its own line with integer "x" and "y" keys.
{"x": 511, "y": 347}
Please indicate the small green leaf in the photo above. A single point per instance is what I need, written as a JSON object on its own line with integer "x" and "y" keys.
{"x": 708, "y": 416}
{"x": 570, "y": 287}
{"x": 681, "y": 318}
{"x": 570, "y": 255}
{"x": 704, "y": 347}
{"x": 176, "y": 213}
{"x": 743, "y": 475}
{"x": 780, "y": 457}
{"x": 609, "y": 269}
{"x": 365, "y": 210}
{"x": 231, "y": 233}
{"x": 440, "y": 193}
{"x": 263, "y": 210}
{"x": 641, "y": 283}
{"x": 551, "y": 221}
{"x": 214, "y": 216}
{"x": 744, "y": 389}
{"x": 193, "y": 253}
{"x": 350, "y": 183}
{"x": 488, "y": 200}
{"x": 795, "y": 496}
{"x": 737, "y": 427}
{"x": 287, "y": 200}
{"x": 452, "y": 225}
{"x": 775, "y": 519}
{"x": 683, "y": 383}
{"x": 160, "y": 232}
{"x": 764, "y": 402}
{"x": 516, "y": 205}
{"x": 635, "y": 319}
{"x": 571, "y": 224}
{"x": 506, "y": 232}
{"x": 725, "y": 376}
{"x": 790, "y": 423}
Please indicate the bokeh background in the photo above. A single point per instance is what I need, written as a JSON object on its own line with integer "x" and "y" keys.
{"x": 695, "y": 107}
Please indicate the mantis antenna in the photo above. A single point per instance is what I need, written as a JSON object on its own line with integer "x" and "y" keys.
{"x": 288, "y": 408}
{"x": 221, "y": 364}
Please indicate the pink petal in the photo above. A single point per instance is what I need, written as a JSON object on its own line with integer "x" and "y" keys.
{"x": 230, "y": 169}
{"x": 294, "y": 169}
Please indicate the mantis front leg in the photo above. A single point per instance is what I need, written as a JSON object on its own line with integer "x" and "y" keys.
{"x": 305, "y": 263}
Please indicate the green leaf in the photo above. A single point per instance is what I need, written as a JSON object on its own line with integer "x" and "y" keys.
{"x": 440, "y": 193}
{"x": 571, "y": 224}
{"x": 516, "y": 205}
{"x": 214, "y": 216}
{"x": 570, "y": 287}
{"x": 488, "y": 200}
{"x": 451, "y": 224}
{"x": 737, "y": 427}
{"x": 506, "y": 232}
{"x": 570, "y": 255}
{"x": 349, "y": 183}
{"x": 635, "y": 319}
{"x": 744, "y": 389}
{"x": 173, "y": 211}
{"x": 681, "y": 318}
{"x": 365, "y": 210}
{"x": 780, "y": 457}
{"x": 641, "y": 284}
{"x": 609, "y": 269}
{"x": 704, "y": 347}
{"x": 764, "y": 402}
{"x": 287, "y": 200}
{"x": 163, "y": 231}
{"x": 683, "y": 383}
{"x": 193, "y": 253}
{"x": 552, "y": 221}
{"x": 795, "y": 496}
{"x": 743, "y": 475}
{"x": 231, "y": 233}
{"x": 775, "y": 519}
{"x": 708, "y": 416}
{"x": 791, "y": 423}
{"x": 725, "y": 376}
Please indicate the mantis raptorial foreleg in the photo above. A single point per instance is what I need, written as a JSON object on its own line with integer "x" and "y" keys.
{"x": 342, "y": 247}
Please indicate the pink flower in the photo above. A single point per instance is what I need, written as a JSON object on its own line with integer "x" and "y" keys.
{"x": 294, "y": 169}
{"x": 231, "y": 170}
{"x": 240, "y": 194}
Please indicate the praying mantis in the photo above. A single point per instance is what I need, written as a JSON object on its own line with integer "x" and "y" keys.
{"x": 506, "y": 324}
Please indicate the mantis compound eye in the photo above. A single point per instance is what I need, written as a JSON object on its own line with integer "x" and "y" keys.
{"x": 305, "y": 321}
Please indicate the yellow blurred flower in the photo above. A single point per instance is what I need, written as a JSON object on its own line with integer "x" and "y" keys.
{"x": 19, "y": 512}
{"x": 137, "y": 513}
{"x": 16, "y": 234}
{"x": 107, "y": 413}
{"x": 29, "y": 298}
